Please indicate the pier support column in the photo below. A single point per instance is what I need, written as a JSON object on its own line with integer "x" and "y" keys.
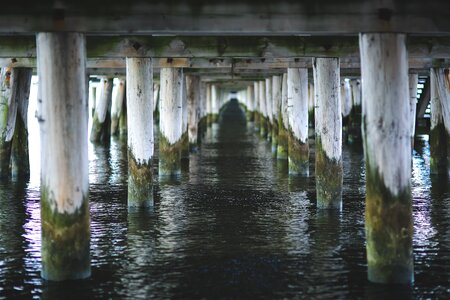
{"x": 193, "y": 99}
{"x": 5, "y": 146}
{"x": 63, "y": 118}
{"x": 354, "y": 127}
{"x": 346, "y": 107}
{"x": 20, "y": 93}
{"x": 116, "y": 110}
{"x": 170, "y": 122}
{"x": 263, "y": 109}
{"x": 257, "y": 107}
{"x": 101, "y": 123}
{"x": 311, "y": 107}
{"x": 250, "y": 104}
{"x": 297, "y": 95}
{"x": 276, "y": 109}
{"x": 413, "y": 81}
{"x": 215, "y": 104}
{"x": 328, "y": 118}
{"x": 208, "y": 105}
{"x": 283, "y": 121}
{"x": 184, "y": 122}
{"x": 140, "y": 132}
{"x": 203, "y": 122}
{"x": 269, "y": 100}
{"x": 440, "y": 122}
{"x": 387, "y": 151}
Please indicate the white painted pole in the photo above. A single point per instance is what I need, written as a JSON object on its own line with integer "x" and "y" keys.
{"x": 184, "y": 120}
{"x": 257, "y": 106}
{"x": 140, "y": 131}
{"x": 328, "y": 118}
{"x": 263, "y": 108}
{"x": 413, "y": 81}
{"x": 440, "y": 122}
{"x": 193, "y": 98}
{"x": 215, "y": 103}
{"x": 276, "y": 111}
{"x": 116, "y": 109}
{"x": 387, "y": 149}
{"x": 63, "y": 118}
{"x": 283, "y": 122}
{"x": 170, "y": 122}
{"x": 101, "y": 123}
{"x": 297, "y": 97}
{"x": 269, "y": 114}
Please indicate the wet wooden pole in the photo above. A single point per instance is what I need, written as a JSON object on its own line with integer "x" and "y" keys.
{"x": 328, "y": 118}
{"x": 193, "y": 100}
{"x": 203, "y": 123}
{"x": 116, "y": 110}
{"x": 269, "y": 106}
{"x": 413, "y": 81}
{"x": 387, "y": 151}
{"x": 297, "y": 97}
{"x": 283, "y": 122}
{"x": 209, "y": 105}
{"x": 20, "y": 92}
{"x": 101, "y": 123}
{"x": 354, "y": 127}
{"x": 440, "y": 122}
{"x": 257, "y": 108}
{"x": 184, "y": 122}
{"x": 215, "y": 104}
{"x": 263, "y": 109}
{"x": 170, "y": 122}
{"x": 276, "y": 109}
{"x": 5, "y": 145}
{"x": 63, "y": 118}
{"x": 250, "y": 103}
{"x": 140, "y": 132}
{"x": 346, "y": 107}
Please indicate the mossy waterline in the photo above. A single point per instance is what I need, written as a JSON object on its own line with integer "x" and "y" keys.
{"x": 140, "y": 179}
{"x": 169, "y": 157}
{"x": 298, "y": 156}
{"x": 65, "y": 240}
{"x": 329, "y": 179}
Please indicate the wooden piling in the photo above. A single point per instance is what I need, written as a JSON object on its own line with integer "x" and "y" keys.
{"x": 387, "y": 151}
{"x": 328, "y": 118}
{"x": 63, "y": 119}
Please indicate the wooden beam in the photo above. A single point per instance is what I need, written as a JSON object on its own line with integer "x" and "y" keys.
{"x": 219, "y": 47}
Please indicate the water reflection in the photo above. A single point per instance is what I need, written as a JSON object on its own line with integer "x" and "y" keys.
{"x": 236, "y": 226}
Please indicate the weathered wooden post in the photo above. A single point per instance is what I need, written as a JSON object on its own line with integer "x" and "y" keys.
{"x": 413, "y": 80}
{"x": 101, "y": 123}
{"x": 387, "y": 151}
{"x": 170, "y": 122}
{"x": 354, "y": 127}
{"x": 283, "y": 122}
{"x": 209, "y": 105}
{"x": 263, "y": 109}
{"x": 269, "y": 100}
{"x": 184, "y": 122}
{"x": 250, "y": 104}
{"x": 193, "y": 99}
{"x": 215, "y": 104}
{"x": 328, "y": 118}
{"x": 276, "y": 109}
{"x": 440, "y": 122}
{"x": 140, "y": 132}
{"x": 5, "y": 146}
{"x": 257, "y": 107}
{"x": 311, "y": 107}
{"x": 116, "y": 110}
{"x": 346, "y": 107}
{"x": 17, "y": 122}
{"x": 63, "y": 118}
{"x": 297, "y": 97}
{"x": 203, "y": 123}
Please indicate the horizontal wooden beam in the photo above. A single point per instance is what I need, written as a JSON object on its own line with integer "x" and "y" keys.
{"x": 217, "y": 47}
{"x": 231, "y": 17}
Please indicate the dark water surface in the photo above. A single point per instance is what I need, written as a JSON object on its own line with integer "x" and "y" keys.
{"x": 235, "y": 227}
